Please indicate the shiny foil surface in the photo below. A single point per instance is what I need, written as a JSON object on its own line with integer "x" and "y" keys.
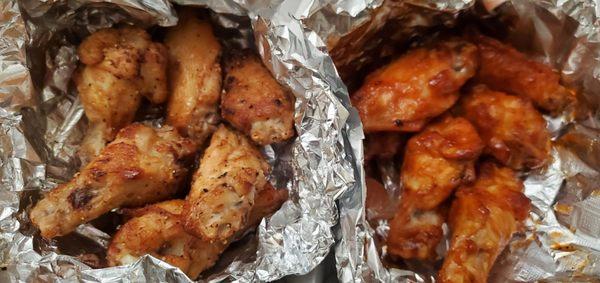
{"x": 299, "y": 40}
{"x": 43, "y": 124}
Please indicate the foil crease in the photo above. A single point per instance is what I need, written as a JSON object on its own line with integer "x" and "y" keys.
{"x": 562, "y": 239}
{"x": 43, "y": 123}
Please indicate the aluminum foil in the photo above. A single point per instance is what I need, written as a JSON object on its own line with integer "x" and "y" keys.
{"x": 562, "y": 239}
{"x": 42, "y": 124}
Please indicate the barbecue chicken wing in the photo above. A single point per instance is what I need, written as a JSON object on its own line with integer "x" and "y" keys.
{"x": 421, "y": 84}
{"x": 119, "y": 67}
{"x": 223, "y": 192}
{"x": 142, "y": 165}
{"x": 482, "y": 220}
{"x": 506, "y": 69}
{"x": 513, "y": 130}
{"x": 254, "y": 102}
{"x": 194, "y": 77}
{"x": 158, "y": 230}
{"x": 436, "y": 161}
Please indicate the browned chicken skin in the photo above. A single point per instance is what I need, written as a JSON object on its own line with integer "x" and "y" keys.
{"x": 513, "y": 130}
{"x": 419, "y": 85}
{"x": 506, "y": 69}
{"x": 436, "y": 161}
{"x": 254, "y": 102}
{"x": 158, "y": 230}
{"x": 194, "y": 77}
{"x": 142, "y": 165}
{"x": 482, "y": 220}
{"x": 119, "y": 67}
{"x": 223, "y": 191}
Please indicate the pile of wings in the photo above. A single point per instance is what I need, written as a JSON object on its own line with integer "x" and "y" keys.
{"x": 463, "y": 115}
{"x": 140, "y": 168}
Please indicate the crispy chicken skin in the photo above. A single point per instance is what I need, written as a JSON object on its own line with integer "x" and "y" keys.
{"x": 158, "y": 230}
{"x": 383, "y": 145}
{"x": 194, "y": 77}
{"x": 119, "y": 66}
{"x": 223, "y": 191}
{"x": 436, "y": 161}
{"x": 482, "y": 220}
{"x": 142, "y": 165}
{"x": 513, "y": 130}
{"x": 506, "y": 69}
{"x": 254, "y": 102}
{"x": 419, "y": 85}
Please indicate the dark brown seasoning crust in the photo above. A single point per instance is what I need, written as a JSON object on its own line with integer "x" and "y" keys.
{"x": 80, "y": 197}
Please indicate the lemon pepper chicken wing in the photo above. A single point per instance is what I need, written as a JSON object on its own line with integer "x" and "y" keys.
{"x": 119, "y": 66}
{"x": 506, "y": 69}
{"x": 436, "y": 161}
{"x": 194, "y": 77}
{"x": 142, "y": 165}
{"x": 223, "y": 192}
{"x": 254, "y": 102}
{"x": 411, "y": 90}
{"x": 514, "y": 131}
{"x": 482, "y": 220}
{"x": 158, "y": 230}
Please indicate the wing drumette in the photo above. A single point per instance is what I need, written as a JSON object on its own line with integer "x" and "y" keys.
{"x": 254, "y": 102}
{"x": 223, "y": 192}
{"x": 436, "y": 161}
{"x": 411, "y": 90}
{"x": 482, "y": 220}
{"x": 120, "y": 66}
{"x": 513, "y": 130}
{"x": 142, "y": 165}
{"x": 194, "y": 77}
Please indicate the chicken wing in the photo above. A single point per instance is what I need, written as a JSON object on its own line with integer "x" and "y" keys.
{"x": 158, "y": 230}
{"x": 513, "y": 130}
{"x": 482, "y": 220}
{"x": 194, "y": 77}
{"x": 506, "y": 69}
{"x": 384, "y": 145}
{"x": 254, "y": 102}
{"x": 120, "y": 65}
{"x": 142, "y": 165}
{"x": 436, "y": 161}
{"x": 421, "y": 84}
{"x": 223, "y": 192}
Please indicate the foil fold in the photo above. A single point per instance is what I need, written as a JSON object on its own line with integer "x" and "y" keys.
{"x": 43, "y": 123}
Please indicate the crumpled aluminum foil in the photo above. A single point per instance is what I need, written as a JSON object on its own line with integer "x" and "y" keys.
{"x": 42, "y": 124}
{"x": 562, "y": 241}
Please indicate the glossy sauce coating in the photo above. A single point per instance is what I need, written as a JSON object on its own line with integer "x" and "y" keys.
{"x": 419, "y": 85}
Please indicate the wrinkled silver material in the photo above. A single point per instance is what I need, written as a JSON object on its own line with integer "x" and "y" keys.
{"x": 562, "y": 241}
{"x": 42, "y": 124}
